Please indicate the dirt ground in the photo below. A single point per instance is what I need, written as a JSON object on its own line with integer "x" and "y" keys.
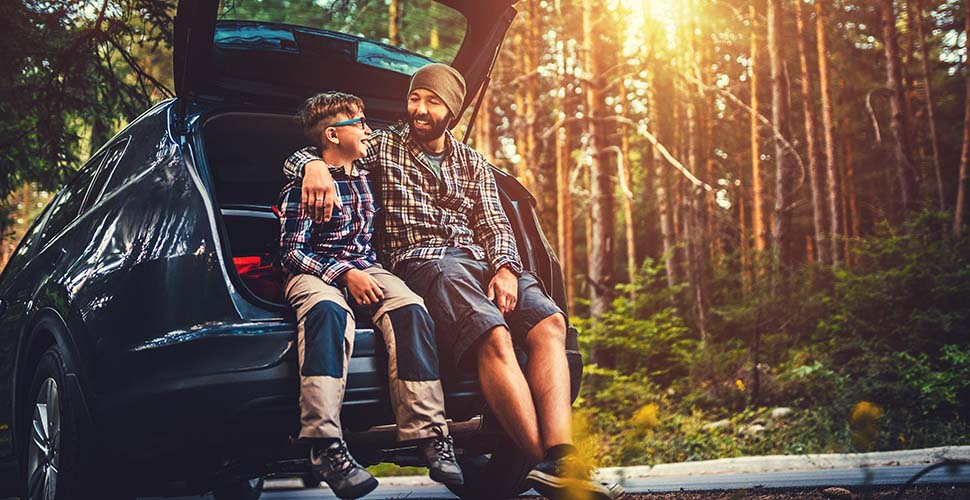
{"x": 914, "y": 493}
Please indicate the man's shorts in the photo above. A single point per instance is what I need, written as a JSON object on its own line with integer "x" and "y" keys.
{"x": 454, "y": 289}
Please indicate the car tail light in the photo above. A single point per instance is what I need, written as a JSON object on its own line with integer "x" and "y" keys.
{"x": 261, "y": 276}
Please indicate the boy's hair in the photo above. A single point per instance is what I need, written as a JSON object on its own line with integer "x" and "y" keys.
{"x": 316, "y": 112}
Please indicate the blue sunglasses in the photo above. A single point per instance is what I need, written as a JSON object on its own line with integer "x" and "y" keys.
{"x": 353, "y": 121}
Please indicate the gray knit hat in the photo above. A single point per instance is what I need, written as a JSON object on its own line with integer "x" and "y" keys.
{"x": 444, "y": 81}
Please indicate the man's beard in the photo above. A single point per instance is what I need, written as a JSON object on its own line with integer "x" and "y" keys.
{"x": 436, "y": 131}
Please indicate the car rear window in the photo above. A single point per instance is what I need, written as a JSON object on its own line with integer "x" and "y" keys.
{"x": 424, "y": 27}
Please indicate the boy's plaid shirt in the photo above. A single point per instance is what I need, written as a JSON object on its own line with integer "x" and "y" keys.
{"x": 424, "y": 214}
{"x": 329, "y": 249}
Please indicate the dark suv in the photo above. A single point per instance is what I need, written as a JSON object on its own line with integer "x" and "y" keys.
{"x": 143, "y": 333}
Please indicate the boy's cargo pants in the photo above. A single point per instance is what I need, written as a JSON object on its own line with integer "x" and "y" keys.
{"x": 325, "y": 324}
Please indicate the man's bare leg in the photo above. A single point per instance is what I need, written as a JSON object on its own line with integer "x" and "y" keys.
{"x": 507, "y": 392}
{"x": 548, "y": 378}
{"x": 561, "y": 473}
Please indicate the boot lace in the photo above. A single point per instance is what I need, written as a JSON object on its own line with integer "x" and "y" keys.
{"x": 340, "y": 459}
{"x": 444, "y": 446}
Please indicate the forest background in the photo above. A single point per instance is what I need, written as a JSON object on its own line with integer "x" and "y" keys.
{"x": 760, "y": 206}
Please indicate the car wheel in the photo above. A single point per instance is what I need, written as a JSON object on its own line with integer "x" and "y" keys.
{"x": 49, "y": 436}
{"x": 239, "y": 489}
{"x": 498, "y": 475}
{"x": 55, "y": 465}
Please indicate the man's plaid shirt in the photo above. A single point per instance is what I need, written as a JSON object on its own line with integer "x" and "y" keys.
{"x": 329, "y": 249}
{"x": 425, "y": 214}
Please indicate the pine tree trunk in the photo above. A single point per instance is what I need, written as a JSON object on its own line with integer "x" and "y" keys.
{"x": 564, "y": 214}
{"x": 853, "y": 203}
{"x": 625, "y": 176}
{"x": 483, "y": 128}
{"x": 745, "y": 240}
{"x": 960, "y": 214}
{"x": 601, "y": 178}
{"x": 564, "y": 197}
{"x": 814, "y": 172}
{"x": 930, "y": 104}
{"x": 394, "y": 23}
{"x": 785, "y": 170}
{"x": 899, "y": 123}
{"x": 530, "y": 59}
{"x": 660, "y": 115}
{"x": 757, "y": 191}
{"x": 524, "y": 168}
{"x": 831, "y": 167}
{"x": 695, "y": 221}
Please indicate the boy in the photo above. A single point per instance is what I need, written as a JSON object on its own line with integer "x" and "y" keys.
{"x": 323, "y": 259}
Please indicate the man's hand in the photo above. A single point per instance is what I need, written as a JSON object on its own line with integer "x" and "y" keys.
{"x": 504, "y": 290}
{"x": 363, "y": 287}
{"x": 319, "y": 193}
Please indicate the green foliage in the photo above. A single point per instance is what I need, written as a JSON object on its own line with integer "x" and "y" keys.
{"x": 387, "y": 469}
{"x": 73, "y": 71}
{"x": 874, "y": 356}
{"x": 643, "y": 335}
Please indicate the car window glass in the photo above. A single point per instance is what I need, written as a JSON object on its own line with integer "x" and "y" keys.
{"x": 26, "y": 247}
{"x": 68, "y": 203}
{"x": 423, "y": 26}
{"x": 106, "y": 172}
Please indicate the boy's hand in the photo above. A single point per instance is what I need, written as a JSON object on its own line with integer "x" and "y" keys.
{"x": 319, "y": 193}
{"x": 504, "y": 290}
{"x": 363, "y": 287}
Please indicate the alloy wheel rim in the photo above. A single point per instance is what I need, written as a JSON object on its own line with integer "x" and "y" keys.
{"x": 43, "y": 454}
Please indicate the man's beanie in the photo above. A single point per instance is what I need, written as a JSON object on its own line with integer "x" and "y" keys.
{"x": 444, "y": 81}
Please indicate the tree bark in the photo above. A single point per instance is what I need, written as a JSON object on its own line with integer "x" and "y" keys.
{"x": 695, "y": 223}
{"x": 757, "y": 195}
{"x": 564, "y": 214}
{"x": 660, "y": 110}
{"x": 394, "y": 23}
{"x": 601, "y": 179}
{"x": 625, "y": 176}
{"x": 853, "y": 221}
{"x": 960, "y": 213}
{"x": 530, "y": 68}
{"x": 831, "y": 167}
{"x": 930, "y": 103}
{"x": 815, "y": 175}
{"x": 900, "y": 116}
{"x": 785, "y": 172}
{"x": 483, "y": 128}
{"x": 564, "y": 196}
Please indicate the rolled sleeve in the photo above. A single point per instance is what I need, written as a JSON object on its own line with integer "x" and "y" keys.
{"x": 491, "y": 227}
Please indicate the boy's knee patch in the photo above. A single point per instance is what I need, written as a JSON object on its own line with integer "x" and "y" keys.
{"x": 417, "y": 355}
{"x": 323, "y": 332}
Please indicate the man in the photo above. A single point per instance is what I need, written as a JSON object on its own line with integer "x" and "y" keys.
{"x": 447, "y": 236}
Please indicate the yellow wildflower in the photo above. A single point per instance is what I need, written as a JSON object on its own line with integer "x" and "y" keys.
{"x": 646, "y": 416}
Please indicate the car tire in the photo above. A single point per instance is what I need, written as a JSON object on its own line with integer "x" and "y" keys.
{"x": 498, "y": 475}
{"x": 53, "y": 457}
{"x": 239, "y": 489}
